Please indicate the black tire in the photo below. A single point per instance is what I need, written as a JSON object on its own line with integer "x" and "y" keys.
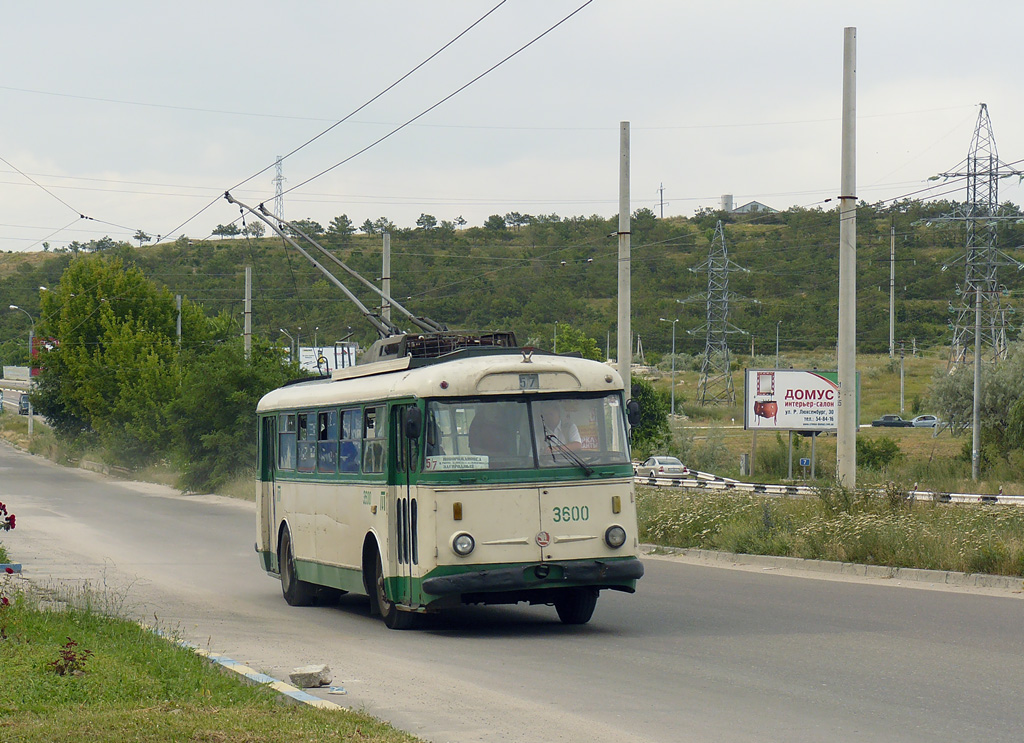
{"x": 296, "y": 592}
{"x": 576, "y": 605}
{"x": 325, "y": 595}
{"x": 393, "y": 617}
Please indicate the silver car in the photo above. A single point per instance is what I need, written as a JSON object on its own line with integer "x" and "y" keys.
{"x": 925, "y": 421}
{"x": 662, "y": 467}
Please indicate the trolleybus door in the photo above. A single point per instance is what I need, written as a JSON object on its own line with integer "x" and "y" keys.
{"x": 268, "y": 471}
{"x": 405, "y": 515}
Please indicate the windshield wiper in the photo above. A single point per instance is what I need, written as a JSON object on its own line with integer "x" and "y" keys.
{"x": 568, "y": 453}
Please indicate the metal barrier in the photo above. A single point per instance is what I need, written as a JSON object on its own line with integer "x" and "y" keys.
{"x": 706, "y": 481}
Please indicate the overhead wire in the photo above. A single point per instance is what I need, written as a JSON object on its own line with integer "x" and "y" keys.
{"x": 349, "y": 115}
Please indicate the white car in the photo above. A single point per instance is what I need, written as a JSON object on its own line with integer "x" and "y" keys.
{"x": 662, "y": 467}
{"x": 925, "y": 421}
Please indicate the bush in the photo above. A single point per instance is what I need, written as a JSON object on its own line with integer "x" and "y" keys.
{"x": 878, "y": 454}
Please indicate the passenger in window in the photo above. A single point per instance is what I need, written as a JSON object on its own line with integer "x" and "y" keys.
{"x": 558, "y": 423}
{"x": 488, "y": 435}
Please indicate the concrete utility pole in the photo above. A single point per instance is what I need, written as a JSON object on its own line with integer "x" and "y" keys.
{"x": 892, "y": 286}
{"x": 247, "y": 330}
{"x": 846, "y": 433}
{"x": 625, "y": 330}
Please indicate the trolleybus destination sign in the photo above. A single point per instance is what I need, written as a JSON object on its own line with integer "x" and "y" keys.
{"x": 791, "y": 399}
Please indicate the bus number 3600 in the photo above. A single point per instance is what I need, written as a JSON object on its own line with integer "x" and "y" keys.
{"x": 575, "y": 513}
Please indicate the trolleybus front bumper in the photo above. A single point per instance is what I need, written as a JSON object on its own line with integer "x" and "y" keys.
{"x": 599, "y": 573}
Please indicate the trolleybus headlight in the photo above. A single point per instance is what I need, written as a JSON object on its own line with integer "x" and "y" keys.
{"x": 463, "y": 543}
{"x": 615, "y": 536}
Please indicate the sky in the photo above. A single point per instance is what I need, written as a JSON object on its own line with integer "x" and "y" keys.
{"x": 127, "y": 116}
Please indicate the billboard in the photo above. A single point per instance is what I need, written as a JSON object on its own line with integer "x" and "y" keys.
{"x": 791, "y": 399}
{"x": 326, "y": 359}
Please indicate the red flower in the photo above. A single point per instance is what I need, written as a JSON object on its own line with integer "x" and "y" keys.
{"x": 11, "y": 520}
{"x": 4, "y": 601}
{"x": 9, "y": 570}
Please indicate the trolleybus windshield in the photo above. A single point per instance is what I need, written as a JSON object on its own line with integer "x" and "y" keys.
{"x": 520, "y": 433}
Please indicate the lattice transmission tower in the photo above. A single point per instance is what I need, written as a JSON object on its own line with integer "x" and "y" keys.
{"x": 279, "y": 188}
{"x": 980, "y": 313}
{"x": 715, "y": 369}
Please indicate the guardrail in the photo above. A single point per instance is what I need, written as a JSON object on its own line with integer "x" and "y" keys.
{"x": 706, "y": 481}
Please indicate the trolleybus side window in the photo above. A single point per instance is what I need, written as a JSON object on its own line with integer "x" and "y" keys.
{"x": 306, "y": 446}
{"x": 327, "y": 441}
{"x": 351, "y": 440}
{"x": 286, "y": 437}
{"x": 375, "y": 431}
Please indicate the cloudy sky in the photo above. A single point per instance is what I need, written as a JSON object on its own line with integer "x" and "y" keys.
{"x": 138, "y": 115}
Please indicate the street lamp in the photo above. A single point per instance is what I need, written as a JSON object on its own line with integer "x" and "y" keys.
{"x": 291, "y": 346}
{"x": 777, "y": 343}
{"x": 673, "y": 361}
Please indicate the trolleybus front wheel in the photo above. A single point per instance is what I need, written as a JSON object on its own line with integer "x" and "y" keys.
{"x": 393, "y": 617}
{"x": 576, "y": 605}
{"x": 296, "y": 592}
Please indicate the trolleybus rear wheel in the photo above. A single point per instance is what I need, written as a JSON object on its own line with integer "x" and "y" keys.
{"x": 392, "y": 616}
{"x": 576, "y": 605}
{"x": 296, "y": 592}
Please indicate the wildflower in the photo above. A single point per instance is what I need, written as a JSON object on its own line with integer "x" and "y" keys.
{"x": 9, "y": 570}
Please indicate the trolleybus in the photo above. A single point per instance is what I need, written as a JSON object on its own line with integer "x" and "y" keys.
{"x": 480, "y": 476}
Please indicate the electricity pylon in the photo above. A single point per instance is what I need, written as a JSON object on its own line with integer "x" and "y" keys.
{"x": 279, "y": 189}
{"x": 980, "y": 313}
{"x": 715, "y": 369}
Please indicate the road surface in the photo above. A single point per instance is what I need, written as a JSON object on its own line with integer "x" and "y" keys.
{"x": 700, "y": 653}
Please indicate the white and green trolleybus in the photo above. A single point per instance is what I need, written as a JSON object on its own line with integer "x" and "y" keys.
{"x": 485, "y": 475}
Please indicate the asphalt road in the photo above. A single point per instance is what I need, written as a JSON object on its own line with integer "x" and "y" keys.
{"x": 700, "y": 653}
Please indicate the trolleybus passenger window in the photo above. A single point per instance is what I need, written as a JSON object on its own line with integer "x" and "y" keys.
{"x": 286, "y": 437}
{"x": 327, "y": 441}
{"x": 374, "y": 439}
{"x": 351, "y": 441}
{"x": 306, "y": 447}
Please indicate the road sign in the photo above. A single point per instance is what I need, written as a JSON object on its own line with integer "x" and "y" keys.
{"x": 805, "y": 462}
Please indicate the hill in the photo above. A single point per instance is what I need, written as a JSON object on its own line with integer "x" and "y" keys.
{"x": 527, "y": 273}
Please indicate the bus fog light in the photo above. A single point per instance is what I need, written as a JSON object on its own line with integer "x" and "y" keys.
{"x": 463, "y": 544}
{"x": 615, "y": 536}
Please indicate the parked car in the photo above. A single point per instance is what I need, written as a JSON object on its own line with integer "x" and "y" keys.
{"x": 23, "y": 405}
{"x": 893, "y": 421}
{"x": 662, "y": 467}
{"x": 925, "y": 421}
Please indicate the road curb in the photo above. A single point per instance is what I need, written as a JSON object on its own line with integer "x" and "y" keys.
{"x": 287, "y": 692}
{"x": 827, "y": 567}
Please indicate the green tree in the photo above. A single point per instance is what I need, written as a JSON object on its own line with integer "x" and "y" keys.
{"x": 341, "y": 227}
{"x": 114, "y": 368}
{"x": 426, "y": 222}
{"x": 495, "y": 223}
{"x": 213, "y": 416}
{"x": 254, "y": 229}
{"x": 142, "y": 237}
{"x": 226, "y": 230}
{"x": 571, "y": 340}
{"x": 369, "y": 228}
{"x": 653, "y": 431}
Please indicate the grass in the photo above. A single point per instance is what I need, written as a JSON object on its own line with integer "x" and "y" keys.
{"x": 121, "y": 682}
{"x": 886, "y": 529}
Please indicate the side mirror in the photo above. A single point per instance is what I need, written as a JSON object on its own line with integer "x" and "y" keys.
{"x": 633, "y": 413}
{"x": 413, "y": 422}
